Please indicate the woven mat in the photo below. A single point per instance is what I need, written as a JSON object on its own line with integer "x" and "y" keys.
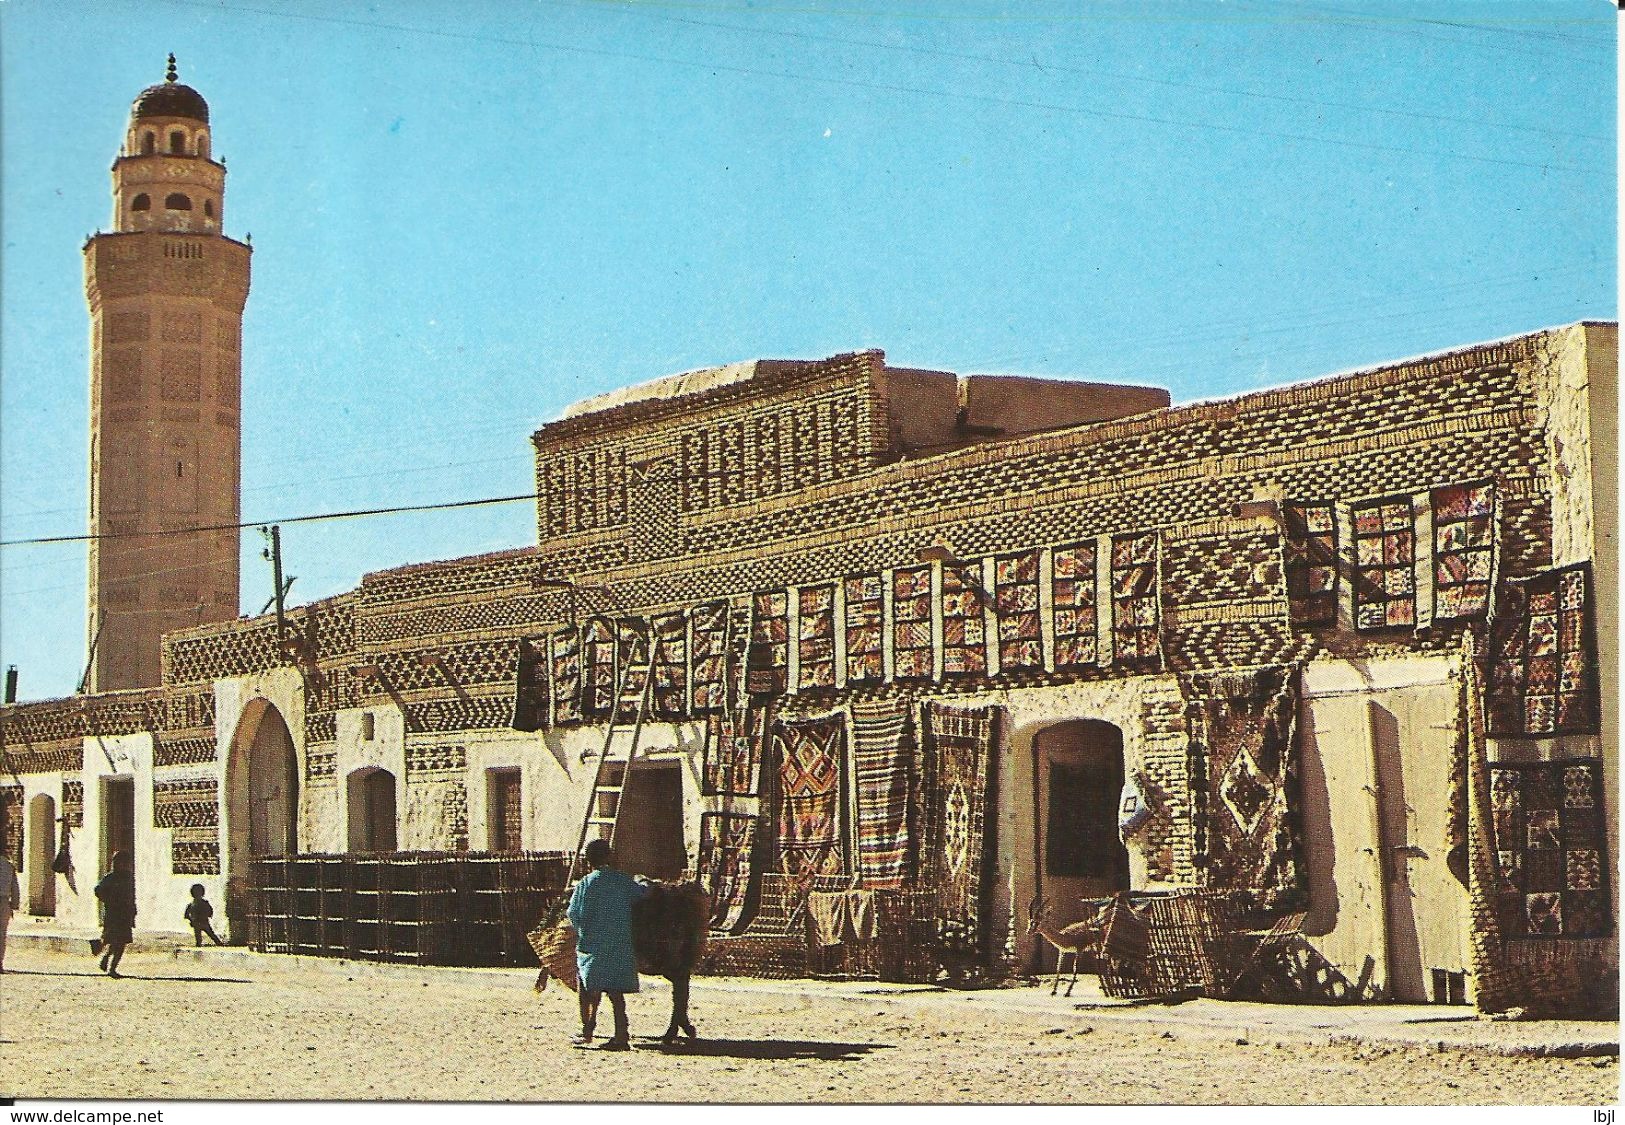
{"x": 958, "y": 746}
{"x": 1244, "y": 735}
{"x": 882, "y": 764}
{"x": 1548, "y": 823}
{"x": 809, "y": 753}
{"x": 728, "y": 866}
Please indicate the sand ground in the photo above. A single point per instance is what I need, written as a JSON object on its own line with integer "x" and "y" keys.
{"x": 237, "y": 1029}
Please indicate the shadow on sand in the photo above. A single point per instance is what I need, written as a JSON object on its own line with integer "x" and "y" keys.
{"x": 764, "y": 1049}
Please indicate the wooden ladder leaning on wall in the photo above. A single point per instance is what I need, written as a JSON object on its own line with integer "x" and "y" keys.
{"x": 634, "y": 690}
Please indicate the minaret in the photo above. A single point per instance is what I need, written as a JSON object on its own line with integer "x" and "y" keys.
{"x": 166, "y": 290}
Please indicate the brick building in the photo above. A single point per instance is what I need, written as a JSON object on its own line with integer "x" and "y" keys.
{"x": 920, "y": 635}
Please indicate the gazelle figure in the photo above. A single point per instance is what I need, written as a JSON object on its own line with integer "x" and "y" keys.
{"x": 1078, "y": 937}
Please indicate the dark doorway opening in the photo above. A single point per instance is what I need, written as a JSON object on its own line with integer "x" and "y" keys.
{"x": 372, "y": 811}
{"x": 649, "y": 831}
{"x": 1078, "y": 767}
{"x": 118, "y": 819}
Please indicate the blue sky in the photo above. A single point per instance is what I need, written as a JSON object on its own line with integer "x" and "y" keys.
{"x": 466, "y": 216}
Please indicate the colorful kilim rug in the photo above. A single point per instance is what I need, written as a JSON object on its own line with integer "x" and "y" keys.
{"x": 530, "y": 687}
{"x": 734, "y": 744}
{"x": 809, "y": 753}
{"x": 815, "y": 637}
{"x": 1244, "y": 746}
{"x": 964, "y": 628}
{"x": 564, "y": 660}
{"x": 767, "y": 667}
{"x": 1552, "y": 879}
{"x": 671, "y": 667}
{"x": 1544, "y": 677}
{"x": 598, "y": 669}
{"x": 1015, "y": 596}
{"x": 959, "y": 745}
{"x": 1463, "y": 550}
{"x": 1072, "y": 588}
{"x": 865, "y": 626}
{"x": 710, "y": 643}
{"x": 1385, "y": 558}
{"x": 911, "y": 623}
{"x": 882, "y": 765}
{"x": 728, "y": 868}
{"x": 1311, "y": 561}
{"x": 1136, "y": 602}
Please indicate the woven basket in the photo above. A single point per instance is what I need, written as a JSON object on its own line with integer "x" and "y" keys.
{"x": 555, "y": 948}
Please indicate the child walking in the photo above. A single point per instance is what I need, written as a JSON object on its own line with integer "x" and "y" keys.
{"x": 198, "y": 913}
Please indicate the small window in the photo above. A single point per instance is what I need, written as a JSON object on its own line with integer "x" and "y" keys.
{"x": 177, "y": 142}
{"x": 369, "y": 727}
{"x": 141, "y": 202}
{"x": 203, "y": 144}
{"x": 178, "y": 202}
{"x": 149, "y": 144}
{"x": 180, "y": 470}
{"x": 208, "y": 208}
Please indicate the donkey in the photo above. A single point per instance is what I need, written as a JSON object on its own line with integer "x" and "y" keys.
{"x": 670, "y": 926}
{"x": 1078, "y": 937}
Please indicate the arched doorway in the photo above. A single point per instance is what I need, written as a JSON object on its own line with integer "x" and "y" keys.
{"x": 370, "y": 794}
{"x": 1078, "y": 767}
{"x": 262, "y": 802}
{"x": 41, "y": 851}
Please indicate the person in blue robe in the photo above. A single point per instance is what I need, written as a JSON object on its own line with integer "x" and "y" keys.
{"x": 601, "y": 912}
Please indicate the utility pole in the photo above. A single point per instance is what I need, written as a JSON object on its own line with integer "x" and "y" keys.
{"x": 274, "y": 553}
{"x": 101, "y": 619}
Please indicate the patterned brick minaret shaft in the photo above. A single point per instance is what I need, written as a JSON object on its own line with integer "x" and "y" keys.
{"x": 166, "y": 290}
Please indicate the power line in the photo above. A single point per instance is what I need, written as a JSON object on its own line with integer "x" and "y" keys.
{"x": 284, "y": 519}
{"x": 641, "y": 9}
{"x": 887, "y": 87}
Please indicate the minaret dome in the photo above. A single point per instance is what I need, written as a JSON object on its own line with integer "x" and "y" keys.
{"x": 166, "y": 178}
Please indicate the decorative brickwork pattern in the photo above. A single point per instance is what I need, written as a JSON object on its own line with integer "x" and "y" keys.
{"x": 73, "y": 804}
{"x": 1385, "y": 561}
{"x": 321, "y": 762}
{"x": 435, "y": 758}
{"x": 447, "y": 716}
{"x": 185, "y": 751}
{"x": 1463, "y": 550}
{"x": 11, "y": 816}
{"x": 185, "y": 803}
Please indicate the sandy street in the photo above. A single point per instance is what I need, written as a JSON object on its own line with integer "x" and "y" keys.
{"x": 185, "y": 1030}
